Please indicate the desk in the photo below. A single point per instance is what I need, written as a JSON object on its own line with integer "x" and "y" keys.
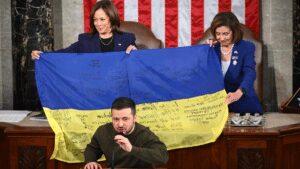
{"x": 29, "y": 144}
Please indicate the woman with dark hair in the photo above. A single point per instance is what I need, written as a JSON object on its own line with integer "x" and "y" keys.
{"x": 104, "y": 35}
{"x": 237, "y": 61}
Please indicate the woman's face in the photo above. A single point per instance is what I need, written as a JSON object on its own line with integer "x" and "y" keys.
{"x": 102, "y": 22}
{"x": 224, "y": 35}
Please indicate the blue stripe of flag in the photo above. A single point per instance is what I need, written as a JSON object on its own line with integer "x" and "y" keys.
{"x": 91, "y": 81}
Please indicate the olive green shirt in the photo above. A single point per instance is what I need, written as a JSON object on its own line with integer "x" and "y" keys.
{"x": 147, "y": 149}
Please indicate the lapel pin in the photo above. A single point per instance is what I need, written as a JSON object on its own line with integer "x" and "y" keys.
{"x": 234, "y": 62}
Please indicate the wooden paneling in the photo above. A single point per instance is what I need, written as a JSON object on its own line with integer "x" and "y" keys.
{"x": 291, "y": 152}
{"x": 236, "y": 148}
{"x": 3, "y": 148}
{"x": 32, "y": 157}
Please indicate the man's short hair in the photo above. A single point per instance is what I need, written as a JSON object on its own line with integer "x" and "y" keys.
{"x": 122, "y": 103}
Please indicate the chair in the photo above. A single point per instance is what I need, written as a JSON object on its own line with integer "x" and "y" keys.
{"x": 291, "y": 105}
{"x": 247, "y": 35}
{"x": 145, "y": 39}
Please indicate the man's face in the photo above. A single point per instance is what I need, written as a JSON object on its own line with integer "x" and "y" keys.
{"x": 123, "y": 120}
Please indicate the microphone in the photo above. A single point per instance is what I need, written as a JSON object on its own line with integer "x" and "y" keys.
{"x": 113, "y": 155}
{"x": 115, "y": 148}
{"x": 113, "y": 159}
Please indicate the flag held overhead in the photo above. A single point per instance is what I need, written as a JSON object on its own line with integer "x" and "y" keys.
{"x": 179, "y": 94}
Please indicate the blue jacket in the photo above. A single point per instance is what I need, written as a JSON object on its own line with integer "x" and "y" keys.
{"x": 88, "y": 43}
{"x": 241, "y": 74}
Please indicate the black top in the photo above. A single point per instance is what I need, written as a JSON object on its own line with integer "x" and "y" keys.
{"x": 147, "y": 149}
{"x": 107, "y": 45}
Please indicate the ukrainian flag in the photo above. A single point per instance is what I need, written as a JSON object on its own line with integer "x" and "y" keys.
{"x": 179, "y": 94}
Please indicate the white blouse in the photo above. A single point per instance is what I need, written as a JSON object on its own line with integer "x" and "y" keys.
{"x": 225, "y": 66}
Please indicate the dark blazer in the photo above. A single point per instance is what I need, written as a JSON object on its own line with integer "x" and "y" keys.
{"x": 88, "y": 43}
{"x": 241, "y": 74}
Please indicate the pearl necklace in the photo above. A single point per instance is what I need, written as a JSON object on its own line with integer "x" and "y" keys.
{"x": 228, "y": 52}
{"x": 106, "y": 44}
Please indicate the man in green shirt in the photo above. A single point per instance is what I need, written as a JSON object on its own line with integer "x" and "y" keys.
{"x": 124, "y": 142}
